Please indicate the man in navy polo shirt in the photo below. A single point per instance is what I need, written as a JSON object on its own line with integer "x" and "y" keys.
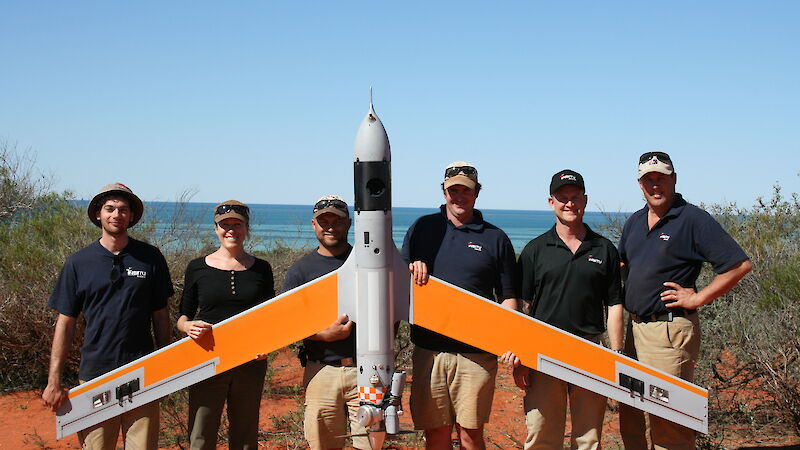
{"x": 453, "y": 383}
{"x": 571, "y": 276}
{"x": 121, "y": 286}
{"x": 663, "y": 248}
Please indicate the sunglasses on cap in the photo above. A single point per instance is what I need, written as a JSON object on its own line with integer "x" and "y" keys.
{"x": 239, "y": 209}
{"x": 466, "y": 170}
{"x": 338, "y": 204}
{"x": 663, "y": 157}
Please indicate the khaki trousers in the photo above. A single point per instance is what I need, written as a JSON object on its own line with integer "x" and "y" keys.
{"x": 674, "y": 348}
{"x": 331, "y": 402}
{"x": 546, "y": 413}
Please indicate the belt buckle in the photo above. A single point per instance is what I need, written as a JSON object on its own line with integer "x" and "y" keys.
{"x": 665, "y": 317}
{"x": 347, "y": 362}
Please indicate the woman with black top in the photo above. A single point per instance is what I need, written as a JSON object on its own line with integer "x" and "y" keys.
{"x": 217, "y": 287}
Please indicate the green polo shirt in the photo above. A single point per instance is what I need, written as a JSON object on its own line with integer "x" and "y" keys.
{"x": 571, "y": 291}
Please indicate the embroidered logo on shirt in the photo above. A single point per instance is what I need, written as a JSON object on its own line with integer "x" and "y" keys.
{"x": 663, "y": 237}
{"x": 136, "y": 273}
{"x": 476, "y": 247}
{"x": 595, "y": 260}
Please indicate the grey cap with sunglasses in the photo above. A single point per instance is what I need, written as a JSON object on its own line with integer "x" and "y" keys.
{"x": 331, "y": 204}
{"x": 655, "y": 162}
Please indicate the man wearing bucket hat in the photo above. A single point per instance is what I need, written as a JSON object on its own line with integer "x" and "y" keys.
{"x": 121, "y": 286}
{"x": 453, "y": 383}
{"x": 663, "y": 247}
{"x": 329, "y": 377}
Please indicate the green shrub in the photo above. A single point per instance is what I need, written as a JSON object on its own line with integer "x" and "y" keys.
{"x": 751, "y": 349}
{"x": 33, "y": 246}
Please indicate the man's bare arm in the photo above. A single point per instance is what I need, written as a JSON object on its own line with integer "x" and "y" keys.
{"x": 616, "y": 327}
{"x": 687, "y": 298}
{"x": 54, "y": 394}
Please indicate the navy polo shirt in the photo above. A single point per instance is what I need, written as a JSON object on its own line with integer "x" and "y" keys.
{"x": 673, "y": 250}
{"x": 477, "y": 257}
{"x": 571, "y": 291}
{"x": 117, "y": 314}
{"x": 310, "y": 267}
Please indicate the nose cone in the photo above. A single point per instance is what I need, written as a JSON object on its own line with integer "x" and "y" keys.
{"x": 372, "y": 143}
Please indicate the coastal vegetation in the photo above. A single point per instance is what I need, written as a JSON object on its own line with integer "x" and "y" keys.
{"x": 751, "y": 351}
{"x": 750, "y": 355}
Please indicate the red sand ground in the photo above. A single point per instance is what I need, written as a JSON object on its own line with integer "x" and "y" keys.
{"x": 26, "y": 424}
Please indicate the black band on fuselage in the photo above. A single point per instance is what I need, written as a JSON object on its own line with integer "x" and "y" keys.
{"x": 373, "y": 186}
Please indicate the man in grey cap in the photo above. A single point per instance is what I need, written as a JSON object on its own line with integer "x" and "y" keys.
{"x": 121, "y": 286}
{"x": 663, "y": 247}
{"x": 330, "y": 377}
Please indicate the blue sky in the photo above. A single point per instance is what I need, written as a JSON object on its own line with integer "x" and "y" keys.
{"x": 260, "y": 101}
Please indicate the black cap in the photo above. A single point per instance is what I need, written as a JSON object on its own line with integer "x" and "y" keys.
{"x": 565, "y": 177}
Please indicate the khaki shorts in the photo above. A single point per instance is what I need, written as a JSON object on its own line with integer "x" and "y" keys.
{"x": 449, "y": 388}
{"x": 331, "y": 402}
{"x": 139, "y": 430}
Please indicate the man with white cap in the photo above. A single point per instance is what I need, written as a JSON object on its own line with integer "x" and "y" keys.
{"x": 330, "y": 377}
{"x": 453, "y": 383}
{"x": 121, "y": 285}
{"x": 662, "y": 248}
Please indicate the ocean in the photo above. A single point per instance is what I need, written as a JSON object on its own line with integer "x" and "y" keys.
{"x": 289, "y": 225}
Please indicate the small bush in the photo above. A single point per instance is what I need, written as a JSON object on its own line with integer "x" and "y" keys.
{"x": 20, "y": 184}
{"x": 751, "y": 349}
{"x": 33, "y": 247}
{"x": 289, "y": 427}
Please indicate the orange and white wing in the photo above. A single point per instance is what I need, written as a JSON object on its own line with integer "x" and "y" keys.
{"x": 461, "y": 315}
{"x": 269, "y": 326}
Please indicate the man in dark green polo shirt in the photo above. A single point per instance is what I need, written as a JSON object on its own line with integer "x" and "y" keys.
{"x": 571, "y": 276}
